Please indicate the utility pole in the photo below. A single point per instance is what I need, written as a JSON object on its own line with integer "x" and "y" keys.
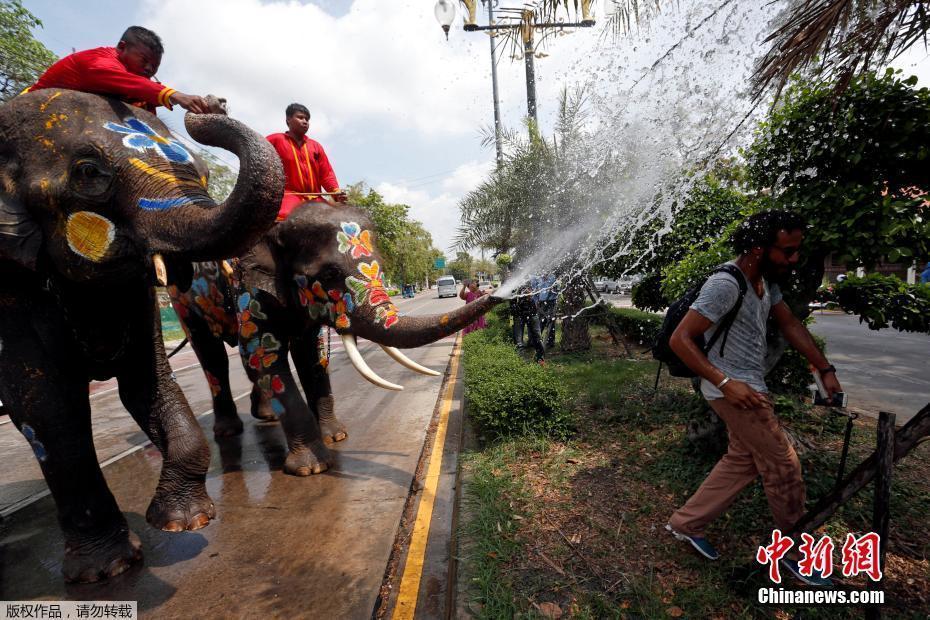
{"x": 497, "y": 106}
{"x": 527, "y": 26}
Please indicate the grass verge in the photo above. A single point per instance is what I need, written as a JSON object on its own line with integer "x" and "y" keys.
{"x": 573, "y": 528}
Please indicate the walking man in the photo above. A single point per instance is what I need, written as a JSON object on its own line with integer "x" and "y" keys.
{"x": 768, "y": 246}
{"x": 307, "y": 171}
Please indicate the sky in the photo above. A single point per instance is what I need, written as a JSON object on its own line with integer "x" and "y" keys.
{"x": 393, "y": 103}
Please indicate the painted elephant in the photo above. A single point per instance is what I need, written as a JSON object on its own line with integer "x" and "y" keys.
{"x": 90, "y": 190}
{"x": 319, "y": 267}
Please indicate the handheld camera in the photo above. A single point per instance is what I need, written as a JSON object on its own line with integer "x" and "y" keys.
{"x": 820, "y": 398}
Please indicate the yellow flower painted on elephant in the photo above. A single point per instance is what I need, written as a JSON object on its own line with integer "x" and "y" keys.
{"x": 371, "y": 289}
{"x": 89, "y": 234}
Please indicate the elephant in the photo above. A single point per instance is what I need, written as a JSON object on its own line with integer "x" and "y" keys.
{"x": 92, "y": 191}
{"x": 319, "y": 267}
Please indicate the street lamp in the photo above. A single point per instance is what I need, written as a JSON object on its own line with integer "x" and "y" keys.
{"x": 445, "y": 15}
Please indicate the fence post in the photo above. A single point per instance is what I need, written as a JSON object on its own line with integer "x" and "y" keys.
{"x": 884, "y": 466}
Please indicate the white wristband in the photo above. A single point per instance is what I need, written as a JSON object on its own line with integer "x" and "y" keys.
{"x": 726, "y": 380}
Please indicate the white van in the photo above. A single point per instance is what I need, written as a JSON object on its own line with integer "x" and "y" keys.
{"x": 446, "y": 287}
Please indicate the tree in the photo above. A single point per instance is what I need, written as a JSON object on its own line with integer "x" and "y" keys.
{"x": 22, "y": 57}
{"x": 461, "y": 267}
{"x": 854, "y": 165}
{"x": 850, "y": 37}
{"x": 406, "y": 247}
{"x": 544, "y": 185}
{"x": 222, "y": 177}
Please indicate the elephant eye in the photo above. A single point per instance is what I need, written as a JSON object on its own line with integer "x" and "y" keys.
{"x": 89, "y": 178}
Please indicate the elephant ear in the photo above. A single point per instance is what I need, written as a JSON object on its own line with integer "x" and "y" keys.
{"x": 20, "y": 235}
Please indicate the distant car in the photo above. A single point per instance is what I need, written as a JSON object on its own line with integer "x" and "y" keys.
{"x": 486, "y": 286}
{"x": 446, "y": 287}
{"x": 607, "y": 286}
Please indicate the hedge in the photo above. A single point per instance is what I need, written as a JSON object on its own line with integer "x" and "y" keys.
{"x": 641, "y": 326}
{"x": 507, "y": 395}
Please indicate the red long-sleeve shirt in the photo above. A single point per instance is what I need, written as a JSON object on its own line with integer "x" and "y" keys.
{"x": 100, "y": 71}
{"x": 306, "y": 170}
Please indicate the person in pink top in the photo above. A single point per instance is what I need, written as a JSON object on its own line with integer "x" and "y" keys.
{"x": 470, "y": 293}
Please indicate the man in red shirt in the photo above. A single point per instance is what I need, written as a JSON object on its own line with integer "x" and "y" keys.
{"x": 124, "y": 71}
{"x": 306, "y": 168}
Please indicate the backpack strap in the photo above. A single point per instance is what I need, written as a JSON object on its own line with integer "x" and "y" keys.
{"x": 730, "y": 317}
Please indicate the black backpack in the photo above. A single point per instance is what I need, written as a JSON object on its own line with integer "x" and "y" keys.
{"x": 677, "y": 311}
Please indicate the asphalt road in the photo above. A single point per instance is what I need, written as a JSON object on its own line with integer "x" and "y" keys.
{"x": 281, "y": 545}
{"x": 883, "y": 370}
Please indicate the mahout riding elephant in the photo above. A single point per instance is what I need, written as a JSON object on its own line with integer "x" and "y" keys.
{"x": 319, "y": 267}
{"x": 91, "y": 189}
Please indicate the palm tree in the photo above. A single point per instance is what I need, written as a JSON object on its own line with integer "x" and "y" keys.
{"x": 848, "y": 36}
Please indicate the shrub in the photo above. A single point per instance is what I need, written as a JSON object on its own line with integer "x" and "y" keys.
{"x": 636, "y": 324}
{"x": 883, "y": 301}
{"x": 792, "y": 374}
{"x": 508, "y": 396}
{"x": 647, "y": 295}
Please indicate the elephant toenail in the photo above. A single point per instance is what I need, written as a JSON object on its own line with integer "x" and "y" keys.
{"x": 173, "y": 526}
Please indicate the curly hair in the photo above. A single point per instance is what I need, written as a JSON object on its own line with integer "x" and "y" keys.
{"x": 761, "y": 230}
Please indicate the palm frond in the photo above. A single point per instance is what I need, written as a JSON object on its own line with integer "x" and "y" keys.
{"x": 849, "y": 37}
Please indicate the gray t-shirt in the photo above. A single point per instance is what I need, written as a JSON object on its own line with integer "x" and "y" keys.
{"x": 744, "y": 355}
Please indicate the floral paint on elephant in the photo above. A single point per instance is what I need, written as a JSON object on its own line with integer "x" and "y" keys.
{"x": 248, "y": 308}
{"x": 213, "y": 382}
{"x": 140, "y": 137}
{"x": 333, "y": 305}
{"x": 271, "y": 386}
{"x": 37, "y": 446}
{"x": 261, "y": 351}
{"x": 204, "y": 300}
{"x": 353, "y": 238}
{"x": 370, "y": 290}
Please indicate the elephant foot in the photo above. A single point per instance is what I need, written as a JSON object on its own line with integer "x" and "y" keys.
{"x": 331, "y": 428}
{"x": 227, "y": 426}
{"x": 308, "y": 460}
{"x": 92, "y": 560}
{"x": 180, "y": 509}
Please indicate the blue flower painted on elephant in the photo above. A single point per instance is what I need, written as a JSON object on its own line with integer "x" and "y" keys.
{"x": 37, "y": 446}
{"x": 141, "y": 137}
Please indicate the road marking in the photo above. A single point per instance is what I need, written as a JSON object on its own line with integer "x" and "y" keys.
{"x": 413, "y": 569}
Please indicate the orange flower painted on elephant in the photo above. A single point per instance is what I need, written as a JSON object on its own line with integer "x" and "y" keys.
{"x": 353, "y": 238}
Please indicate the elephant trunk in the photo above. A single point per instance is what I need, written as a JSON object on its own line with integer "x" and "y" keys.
{"x": 203, "y": 230}
{"x": 415, "y": 331}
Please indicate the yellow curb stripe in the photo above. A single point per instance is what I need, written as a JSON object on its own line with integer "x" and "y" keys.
{"x": 413, "y": 569}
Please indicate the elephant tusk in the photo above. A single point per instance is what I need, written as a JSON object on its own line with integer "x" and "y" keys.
{"x": 161, "y": 272}
{"x": 403, "y": 360}
{"x": 356, "y": 358}
{"x": 227, "y": 269}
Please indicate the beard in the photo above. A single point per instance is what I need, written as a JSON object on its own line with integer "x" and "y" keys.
{"x": 773, "y": 273}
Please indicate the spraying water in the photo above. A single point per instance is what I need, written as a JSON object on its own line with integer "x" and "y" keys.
{"x": 664, "y": 106}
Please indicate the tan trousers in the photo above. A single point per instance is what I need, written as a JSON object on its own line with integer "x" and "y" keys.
{"x": 757, "y": 447}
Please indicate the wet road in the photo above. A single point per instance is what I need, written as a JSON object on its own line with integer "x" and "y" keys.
{"x": 280, "y": 546}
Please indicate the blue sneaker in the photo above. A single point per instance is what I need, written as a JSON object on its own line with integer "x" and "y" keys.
{"x": 698, "y": 542}
{"x": 816, "y": 578}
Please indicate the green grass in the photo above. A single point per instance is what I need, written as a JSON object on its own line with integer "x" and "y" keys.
{"x": 617, "y": 480}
